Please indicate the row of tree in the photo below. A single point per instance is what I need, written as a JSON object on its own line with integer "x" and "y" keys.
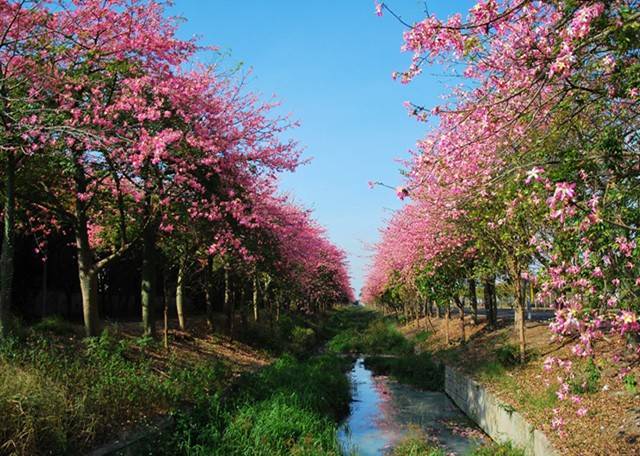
{"x": 530, "y": 178}
{"x": 113, "y": 134}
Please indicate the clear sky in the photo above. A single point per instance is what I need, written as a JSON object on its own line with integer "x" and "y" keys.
{"x": 330, "y": 63}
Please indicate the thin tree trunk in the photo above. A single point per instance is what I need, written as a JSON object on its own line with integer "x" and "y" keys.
{"x": 228, "y": 302}
{"x": 8, "y": 246}
{"x": 473, "y": 297}
{"x": 45, "y": 287}
{"x": 255, "y": 297}
{"x": 165, "y": 328}
{"x": 208, "y": 294}
{"x": 148, "y": 280}
{"x": 490, "y": 302}
{"x": 460, "y": 306}
{"x": 447, "y": 315}
{"x": 180, "y": 295}
{"x": 520, "y": 306}
{"x": 462, "y": 325}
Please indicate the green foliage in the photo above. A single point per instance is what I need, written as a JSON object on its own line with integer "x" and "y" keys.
{"x": 289, "y": 407}
{"x": 55, "y": 325}
{"x": 630, "y": 383}
{"x": 302, "y": 340}
{"x": 508, "y": 355}
{"x": 58, "y": 396}
{"x": 279, "y": 426}
{"x": 380, "y": 337}
{"x": 416, "y": 443}
{"x": 586, "y": 379}
{"x": 422, "y": 336}
{"x": 497, "y": 449}
{"x": 418, "y": 370}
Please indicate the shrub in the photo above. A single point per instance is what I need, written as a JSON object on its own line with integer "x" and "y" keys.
{"x": 381, "y": 337}
{"x": 55, "y": 325}
{"x": 418, "y": 370}
{"x": 587, "y": 378}
{"x": 508, "y": 355}
{"x": 302, "y": 340}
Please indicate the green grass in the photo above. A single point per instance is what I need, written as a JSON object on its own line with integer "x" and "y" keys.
{"x": 416, "y": 443}
{"x": 291, "y": 407}
{"x": 497, "y": 449}
{"x": 60, "y": 395}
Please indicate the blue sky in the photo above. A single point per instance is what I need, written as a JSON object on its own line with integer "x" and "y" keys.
{"x": 330, "y": 63}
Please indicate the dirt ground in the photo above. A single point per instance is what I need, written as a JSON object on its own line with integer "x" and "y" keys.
{"x": 611, "y": 425}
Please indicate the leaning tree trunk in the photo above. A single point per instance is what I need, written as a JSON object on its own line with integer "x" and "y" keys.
{"x": 180, "y": 295}
{"x": 8, "y": 247}
{"x": 460, "y": 306}
{"x": 148, "y": 279}
{"x": 473, "y": 297}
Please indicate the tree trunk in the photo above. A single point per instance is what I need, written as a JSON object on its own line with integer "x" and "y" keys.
{"x": 89, "y": 291}
{"x": 490, "y": 303}
{"x": 208, "y": 294}
{"x": 228, "y": 302}
{"x": 165, "y": 294}
{"x": 447, "y": 315}
{"x": 148, "y": 280}
{"x": 45, "y": 286}
{"x": 460, "y": 306}
{"x": 6, "y": 258}
{"x": 473, "y": 297}
{"x": 462, "y": 325}
{"x": 86, "y": 272}
{"x": 255, "y": 297}
{"x": 520, "y": 306}
{"x": 180, "y": 295}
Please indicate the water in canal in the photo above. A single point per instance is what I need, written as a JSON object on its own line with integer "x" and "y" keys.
{"x": 382, "y": 411}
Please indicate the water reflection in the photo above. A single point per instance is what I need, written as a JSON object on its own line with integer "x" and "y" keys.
{"x": 382, "y": 410}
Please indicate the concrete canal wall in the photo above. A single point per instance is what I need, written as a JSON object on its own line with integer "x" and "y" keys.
{"x": 497, "y": 420}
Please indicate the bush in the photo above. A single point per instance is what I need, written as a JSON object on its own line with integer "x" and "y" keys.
{"x": 508, "y": 355}
{"x": 302, "y": 340}
{"x": 587, "y": 378}
{"x": 55, "y": 325}
{"x": 384, "y": 338}
{"x": 349, "y": 341}
{"x": 417, "y": 370}
{"x": 378, "y": 338}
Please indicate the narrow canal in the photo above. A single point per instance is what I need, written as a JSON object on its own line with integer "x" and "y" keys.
{"x": 382, "y": 412}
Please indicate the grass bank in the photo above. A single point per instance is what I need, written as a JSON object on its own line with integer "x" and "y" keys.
{"x": 290, "y": 407}
{"x": 63, "y": 394}
{"x": 491, "y": 357}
